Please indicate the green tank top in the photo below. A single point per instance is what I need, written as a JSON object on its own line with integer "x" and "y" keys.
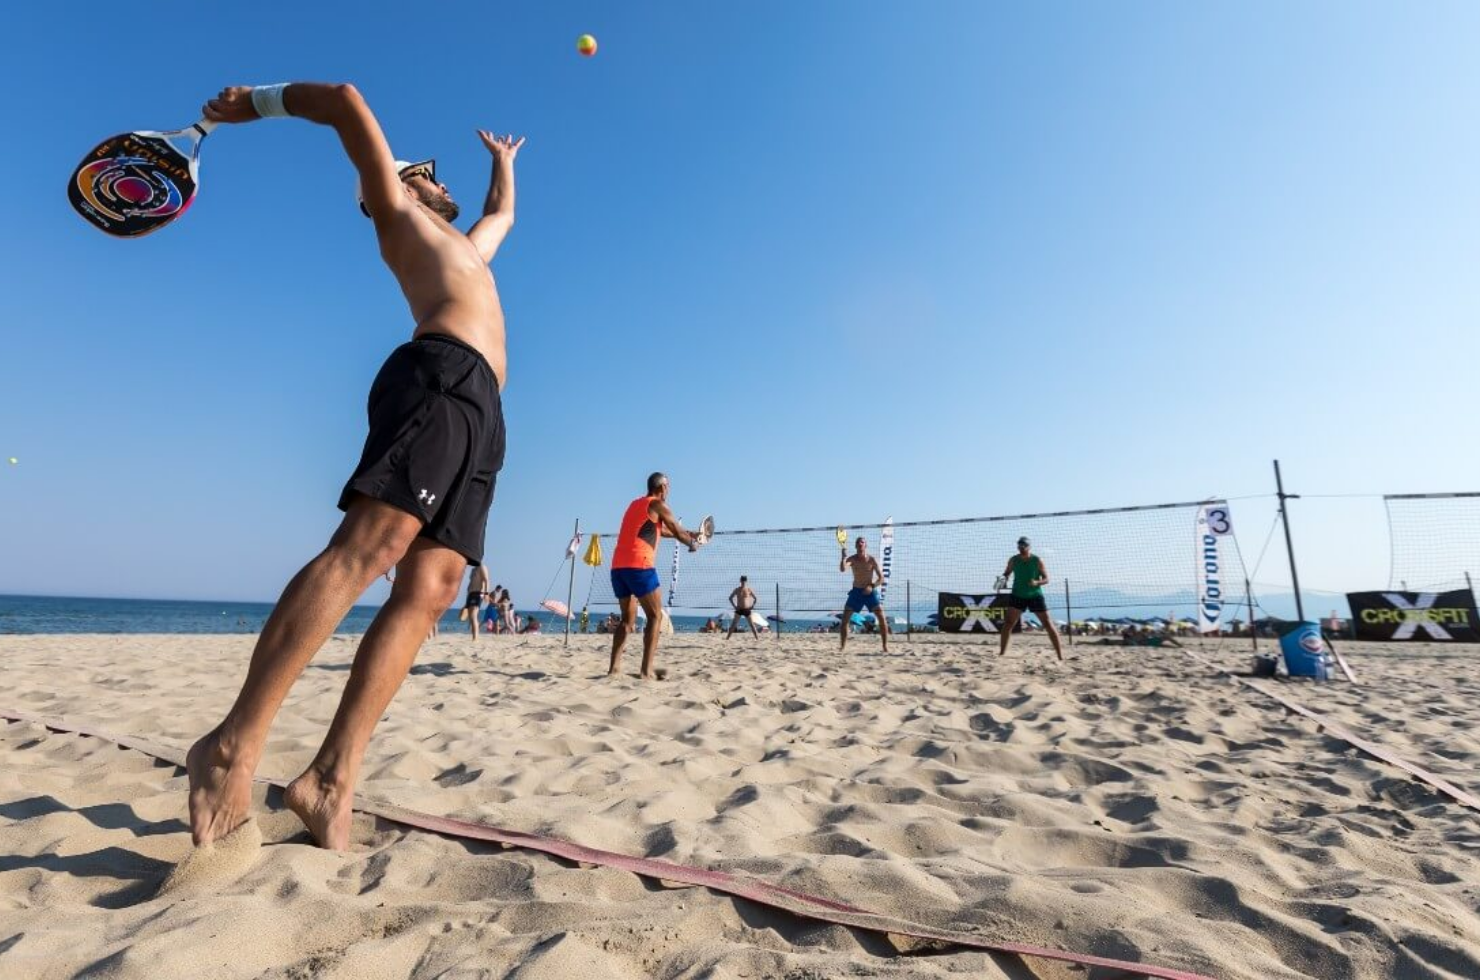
{"x": 1024, "y": 572}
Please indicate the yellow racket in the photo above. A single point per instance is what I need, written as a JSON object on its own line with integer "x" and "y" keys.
{"x": 842, "y": 537}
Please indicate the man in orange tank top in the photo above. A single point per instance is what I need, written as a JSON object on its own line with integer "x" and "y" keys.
{"x": 634, "y": 575}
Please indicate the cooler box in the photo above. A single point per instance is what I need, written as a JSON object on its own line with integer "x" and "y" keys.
{"x": 1304, "y": 651}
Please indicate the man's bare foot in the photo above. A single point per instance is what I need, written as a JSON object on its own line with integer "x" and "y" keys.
{"x": 324, "y": 809}
{"x": 220, "y": 789}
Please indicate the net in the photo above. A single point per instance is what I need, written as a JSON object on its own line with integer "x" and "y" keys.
{"x": 1126, "y": 561}
{"x": 1435, "y": 540}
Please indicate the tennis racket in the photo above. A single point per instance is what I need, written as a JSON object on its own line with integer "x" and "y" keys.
{"x": 706, "y": 530}
{"x": 842, "y": 537}
{"x": 1000, "y": 584}
{"x": 134, "y": 183}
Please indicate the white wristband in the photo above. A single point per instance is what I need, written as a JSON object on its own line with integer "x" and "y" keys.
{"x": 268, "y": 100}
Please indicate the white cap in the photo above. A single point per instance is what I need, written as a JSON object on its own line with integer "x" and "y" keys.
{"x": 429, "y": 168}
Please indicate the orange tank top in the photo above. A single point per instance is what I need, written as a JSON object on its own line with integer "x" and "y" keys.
{"x": 637, "y": 541}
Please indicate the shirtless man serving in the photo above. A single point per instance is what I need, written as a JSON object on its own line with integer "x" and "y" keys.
{"x": 742, "y": 602}
{"x": 866, "y": 578}
{"x": 420, "y": 496}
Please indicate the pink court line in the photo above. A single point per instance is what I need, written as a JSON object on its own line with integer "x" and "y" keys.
{"x": 751, "y": 889}
{"x": 1371, "y": 748}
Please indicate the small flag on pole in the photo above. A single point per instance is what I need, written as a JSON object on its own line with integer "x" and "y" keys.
{"x": 593, "y": 551}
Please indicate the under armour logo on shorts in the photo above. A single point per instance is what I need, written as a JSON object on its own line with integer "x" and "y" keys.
{"x": 426, "y": 498}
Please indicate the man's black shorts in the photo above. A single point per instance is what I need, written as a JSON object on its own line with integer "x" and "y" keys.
{"x": 436, "y": 441}
{"x": 1035, "y": 603}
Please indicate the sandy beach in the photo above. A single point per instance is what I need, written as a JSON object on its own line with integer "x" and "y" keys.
{"x": 1130, "y": 803}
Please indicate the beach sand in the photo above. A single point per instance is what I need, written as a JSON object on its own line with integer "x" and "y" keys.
{"x": 1130, "y": 803}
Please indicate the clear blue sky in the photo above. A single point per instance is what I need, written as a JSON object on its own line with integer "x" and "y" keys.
{"x": 820, "y": 261}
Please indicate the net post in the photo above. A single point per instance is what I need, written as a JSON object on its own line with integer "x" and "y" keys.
{"x": 1289, "y": 545}
{"x": 1249, "y": 600}
{"x": 778, "y": 612}
{"x": 909, "y": 618}
{"x": 570, "y": 591}
{"x": 1471, "y": 586}
{"x": 1068, "y": 613}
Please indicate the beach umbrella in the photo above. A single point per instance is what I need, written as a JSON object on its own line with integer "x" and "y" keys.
{"x": 557, "y": 607}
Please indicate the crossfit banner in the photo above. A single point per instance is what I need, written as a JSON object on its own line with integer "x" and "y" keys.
{"x": 886, "y": 554}
{"x": 1444, "y": 617}
{"x": 958, "y": 613}
{"x": 1214, "y": 522}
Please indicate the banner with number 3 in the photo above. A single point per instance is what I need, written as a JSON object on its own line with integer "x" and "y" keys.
{"x": 1214, "y": 522}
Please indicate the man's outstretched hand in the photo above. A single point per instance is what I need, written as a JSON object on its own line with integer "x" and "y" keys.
{"x": 501, "y": 147}
{"x": 233, "y": 105}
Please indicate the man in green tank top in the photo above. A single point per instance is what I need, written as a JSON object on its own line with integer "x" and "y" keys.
{"x": 1029, "y": 576}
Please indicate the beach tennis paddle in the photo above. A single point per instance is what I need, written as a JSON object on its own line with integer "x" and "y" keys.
{"x": 135, "y": 183}
{"x": 706, "y": 530}
{"x": 842, "y": 537}
{"x": 1000, "y": 584}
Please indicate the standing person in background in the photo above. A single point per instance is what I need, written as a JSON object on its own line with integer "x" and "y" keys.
{"x": 585, "y": 620}
{"x": 866, "y": 579}
{"x": 634, "y": 575}
{"x": 742, "y": 602}
{"x": 1029, "y": 576}
{"x": 511, "y": 624}
{"x": 477, "y": 592}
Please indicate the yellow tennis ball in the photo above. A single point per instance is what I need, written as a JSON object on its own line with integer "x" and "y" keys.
{"x": 13, "y": 461}
{"x": 586, "y": 45}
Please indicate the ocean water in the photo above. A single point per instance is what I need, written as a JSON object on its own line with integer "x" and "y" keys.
{"x": 60, "y": 614}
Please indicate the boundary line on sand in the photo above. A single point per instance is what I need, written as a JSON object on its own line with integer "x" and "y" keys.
{"x": 754, "y": 890}
{"x": 1371, "y": 748}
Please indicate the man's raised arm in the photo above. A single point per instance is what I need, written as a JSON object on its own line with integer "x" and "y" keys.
{"x": 487, "y": 234}
{"x": 339, "y": 106}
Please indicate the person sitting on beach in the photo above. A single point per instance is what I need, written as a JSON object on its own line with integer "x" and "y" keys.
{"x": 866, "y": 578}
{"x": 710, "y": 626}
{"x": 742, "y": 601}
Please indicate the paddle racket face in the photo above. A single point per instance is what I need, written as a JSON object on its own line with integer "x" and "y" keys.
{"x": 842, "y": 537}
{"x": 135, "y": 183}
{"x": 1000, "y": 584}
{"x": 706, "y": 530}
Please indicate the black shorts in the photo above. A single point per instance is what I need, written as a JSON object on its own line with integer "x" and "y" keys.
{"x": 1035, "y": 603}
{"x": 475, "y": 599}
{"x": 436, "y": 441}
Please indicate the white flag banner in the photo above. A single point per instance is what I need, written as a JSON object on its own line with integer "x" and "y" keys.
{"x": 1214, "y": 522}
{"x": 886, "y": 554}
{"x": 573, "y": 547}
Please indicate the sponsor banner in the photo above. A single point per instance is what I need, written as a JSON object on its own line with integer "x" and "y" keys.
{"x": 673, "y": 578}
{"x": 962, "y": 613}
{"x": 1444, "y": 617}
{"x": 886, "y": 554}
{"x": 1214, "y": 522}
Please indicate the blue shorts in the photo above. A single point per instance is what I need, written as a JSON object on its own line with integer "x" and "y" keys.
{"x": 634, "y": 582}
{"x": 859, "y": 598}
